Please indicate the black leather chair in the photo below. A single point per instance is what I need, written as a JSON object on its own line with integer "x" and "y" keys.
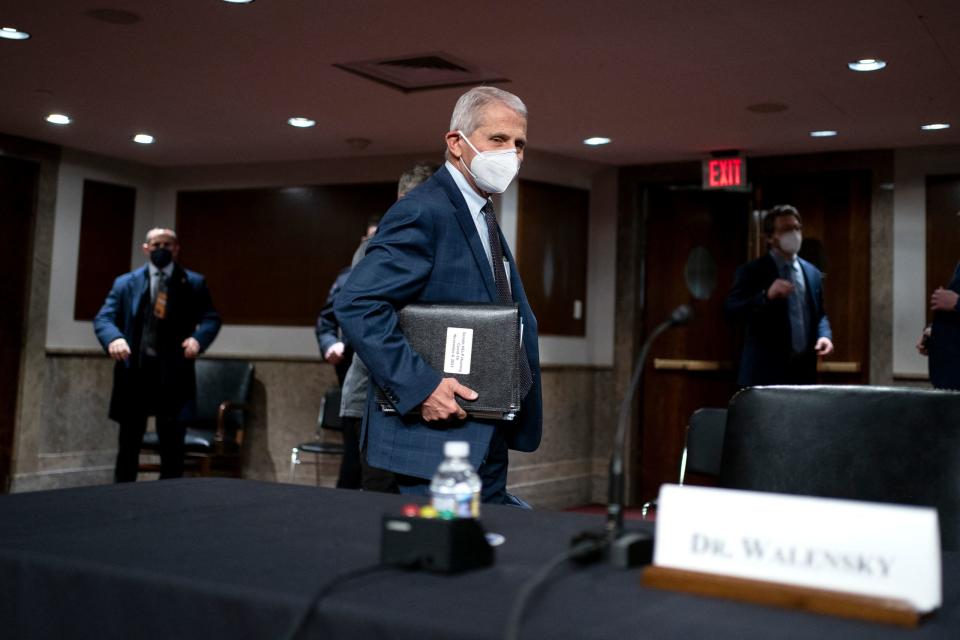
{"x": 328, "y": 418}
{"x": 703, "y": 449}
{"x": 875, "y": 444}
{"x": 214, "y": 439}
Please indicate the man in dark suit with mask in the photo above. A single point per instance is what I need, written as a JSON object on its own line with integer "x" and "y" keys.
{"x": 442, "y": 244}
{"x": 779, "y": 299}
{"x": 154, "y": 323}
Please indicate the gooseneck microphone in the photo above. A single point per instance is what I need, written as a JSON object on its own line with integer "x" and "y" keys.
{"x": 620, "y": 549}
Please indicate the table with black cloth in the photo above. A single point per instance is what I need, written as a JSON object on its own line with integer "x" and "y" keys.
{"x": 217, "y": 558}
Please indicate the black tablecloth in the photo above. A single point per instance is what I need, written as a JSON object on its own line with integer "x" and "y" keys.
{"x": 215, "y": 558}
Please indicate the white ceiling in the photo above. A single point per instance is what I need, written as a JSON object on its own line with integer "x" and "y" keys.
{"x": 666, "y": 79}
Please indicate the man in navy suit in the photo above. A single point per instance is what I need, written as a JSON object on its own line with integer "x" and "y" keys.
{"x": 779, "y": 299}
{"x": 441, "y": 244}
{"x": 154, "y": 323}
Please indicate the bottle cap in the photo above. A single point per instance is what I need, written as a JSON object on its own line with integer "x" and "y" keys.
{"x": 456, "y": 449}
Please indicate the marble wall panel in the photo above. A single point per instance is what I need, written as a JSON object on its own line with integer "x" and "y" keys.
{"x": 75, "y": 407}
{"x": 77, "y": 442}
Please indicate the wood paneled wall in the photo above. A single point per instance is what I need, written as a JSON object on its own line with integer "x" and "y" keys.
{"x": 271, "y": 254}
{"x": 552, "y": 228}
{"x": 106, "y": 226}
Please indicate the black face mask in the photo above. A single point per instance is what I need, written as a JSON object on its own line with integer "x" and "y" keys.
{"x": 161, "y": 257}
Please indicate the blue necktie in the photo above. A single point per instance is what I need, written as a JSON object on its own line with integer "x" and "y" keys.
{"x": 798, "y": 337}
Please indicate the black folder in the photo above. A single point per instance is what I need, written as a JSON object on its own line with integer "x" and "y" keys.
{"x": 477, "y": 344}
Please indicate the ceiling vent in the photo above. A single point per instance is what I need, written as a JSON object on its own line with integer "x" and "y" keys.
{"x": 422, "y": 71}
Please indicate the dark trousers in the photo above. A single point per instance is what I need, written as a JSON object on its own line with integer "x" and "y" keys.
{"x": 349, "y": 477}
{"x": 170, "y": 434}
{"x": 151, "y": 398}
{"x": 355, "y": 473}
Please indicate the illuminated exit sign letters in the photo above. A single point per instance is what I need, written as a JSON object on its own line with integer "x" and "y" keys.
{"x": 725, "y": 173}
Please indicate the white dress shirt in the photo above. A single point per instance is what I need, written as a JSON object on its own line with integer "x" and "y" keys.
{"x": 475, "y": 203}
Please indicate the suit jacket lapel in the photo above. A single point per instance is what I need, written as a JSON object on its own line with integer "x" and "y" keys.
{"x": 811, "y": 281}
{"x": 469, "y": 231}
{"x": 140, "y": 285}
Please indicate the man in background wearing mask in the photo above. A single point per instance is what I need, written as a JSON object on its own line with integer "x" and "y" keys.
{"x": 779, "y": 299}
{"x": 154, "y": 323}
{"x": 442, "y": 244}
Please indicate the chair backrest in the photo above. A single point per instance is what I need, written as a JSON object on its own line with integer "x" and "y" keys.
{"x": 329, "y": 417}
{"x": 704, "y": 448}
{"x": 862, "y": 443}
{"x": 219, "y": 381}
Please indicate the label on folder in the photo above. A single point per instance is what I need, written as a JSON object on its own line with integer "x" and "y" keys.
{"x": 866, "y": 548}
{"x": 458, "y": 352}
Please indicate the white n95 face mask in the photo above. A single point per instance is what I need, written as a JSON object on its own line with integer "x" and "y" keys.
{"x": 790, "y": 242}
{"x": 493, "y": 171}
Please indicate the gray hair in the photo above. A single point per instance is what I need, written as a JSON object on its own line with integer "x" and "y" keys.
{"x": 470, "y": 106}
{"x": 414, "y": 176}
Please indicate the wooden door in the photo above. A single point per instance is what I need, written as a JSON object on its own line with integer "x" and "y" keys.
{"x": 18, "y": 184}
{"x": 689, "y": 367}
{"x": 943, "y": 232}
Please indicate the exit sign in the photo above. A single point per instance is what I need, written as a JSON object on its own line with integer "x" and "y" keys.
{"x": 725, "y": 173}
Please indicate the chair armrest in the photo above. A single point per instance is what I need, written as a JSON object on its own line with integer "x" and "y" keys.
{"x": 226, "y": 406}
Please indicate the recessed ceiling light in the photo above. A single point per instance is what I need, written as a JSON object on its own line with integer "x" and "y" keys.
{"x": 301, "y": 122}
{"x": 825, "y": 133}
{"x": 58, "y": 118}
{"x": 596, "y": 141}
{"x": 238, "y": 1}
{"x": 144, "y": 138}
{"x": 935, "y": 126}
{"x": 13, "y": 34}
{"x": 867, "y": 64}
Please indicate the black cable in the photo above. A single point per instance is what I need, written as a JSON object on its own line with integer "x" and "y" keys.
{"x": 577, "y": 552}
{"x": 314, "y": 605}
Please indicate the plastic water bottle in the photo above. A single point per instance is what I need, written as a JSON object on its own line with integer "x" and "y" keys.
{"x": 455, "y": 487}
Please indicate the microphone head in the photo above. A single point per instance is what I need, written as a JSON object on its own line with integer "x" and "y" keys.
{"x": 681, "y": 315}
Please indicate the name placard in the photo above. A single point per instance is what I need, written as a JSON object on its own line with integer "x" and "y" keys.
{"x": 870, "y": 549}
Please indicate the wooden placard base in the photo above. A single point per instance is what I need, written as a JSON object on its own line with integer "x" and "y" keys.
{"x": 833, "y": 603}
